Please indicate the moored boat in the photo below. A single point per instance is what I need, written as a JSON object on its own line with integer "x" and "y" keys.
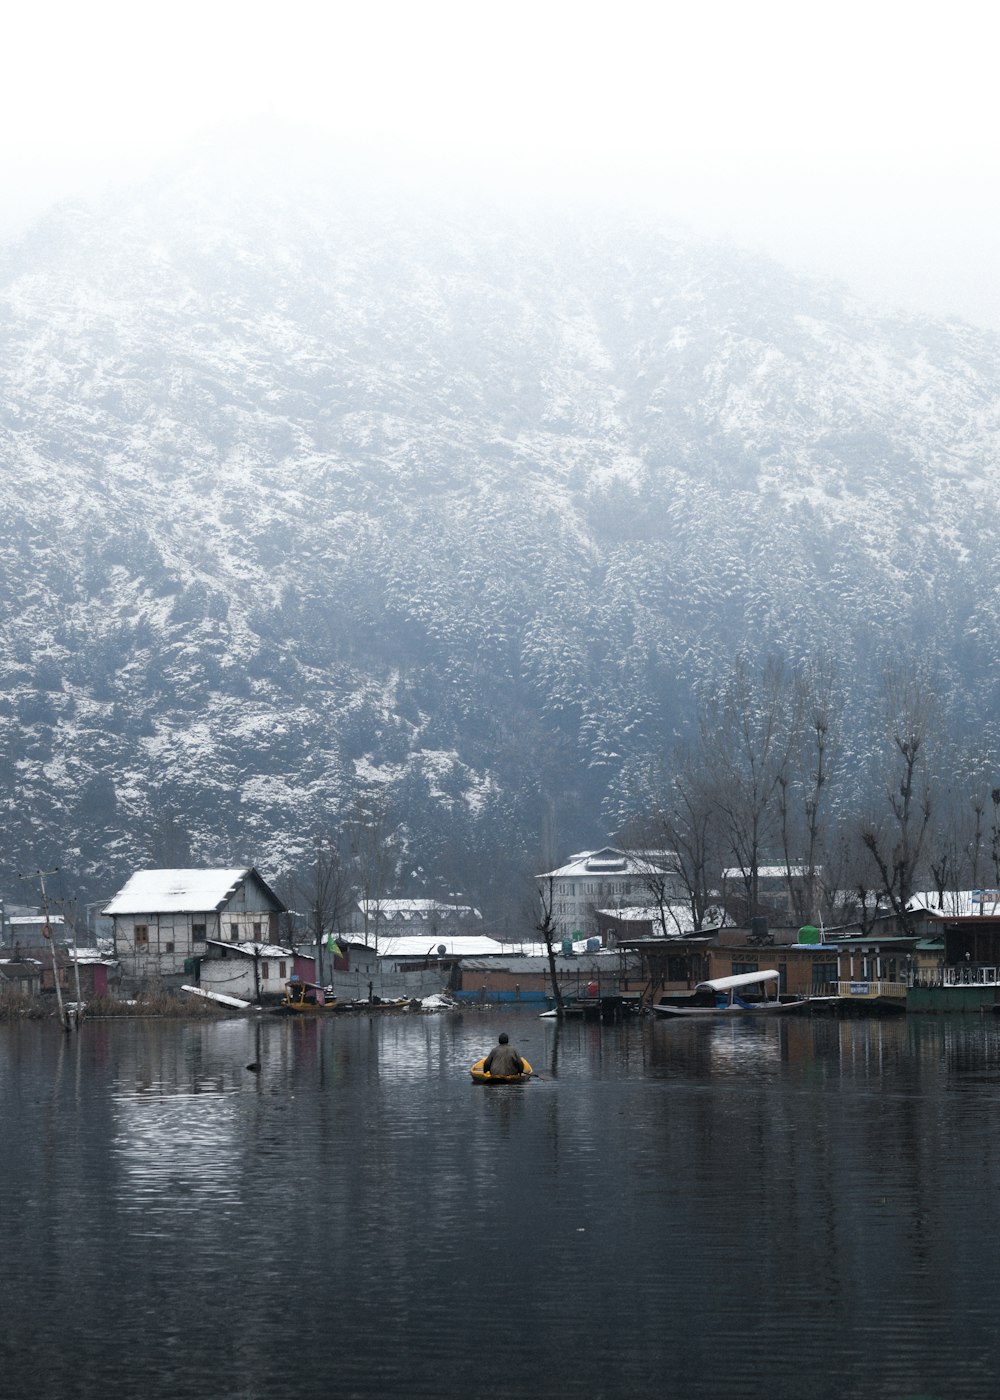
{"x": 306, "y": 998}
{"x": 745, "y": 993}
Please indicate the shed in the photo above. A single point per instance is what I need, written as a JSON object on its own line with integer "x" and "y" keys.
{"x": 251, "y": 971}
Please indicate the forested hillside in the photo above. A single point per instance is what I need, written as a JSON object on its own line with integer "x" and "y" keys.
{"x": 313, "y": 488}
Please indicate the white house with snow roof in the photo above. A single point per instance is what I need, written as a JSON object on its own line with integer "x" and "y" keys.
{"x": 164, "y": 918}
{"x": 606, "y": 881}
{"x": 251, "y": 971}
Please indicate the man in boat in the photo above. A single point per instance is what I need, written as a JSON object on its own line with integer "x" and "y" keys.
{"x": 503, "y": 1059}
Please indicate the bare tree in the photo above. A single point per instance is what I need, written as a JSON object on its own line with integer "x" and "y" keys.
{"x": 957, "y": 847}
{"x": 749, "y": 728}
{"x": 659, "y": 881}
{"x": 852, "y": 883}
{"x": 995, "y": 836}
{"x": 373, "y": 840}
{"x": 802, "y": 838}
{"x": 683, "y": 834}
{"x": 897, "y": 843}
{"x": 545, "y": 925}
{"x": 324, "y": 891}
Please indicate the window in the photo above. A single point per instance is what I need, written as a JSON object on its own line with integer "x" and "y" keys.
{"x": 265, "y": 971}
{"x": 168, "y": 947}
{"x": 256, "y": 929}
{"x": 140, "y": 933}
{"x": 281, "y": 971}
{"x": 234, "y": 932}
{"x": 739, "y": 968}
{"x": 198, "y": 932}
{"x": 824, "y": 973}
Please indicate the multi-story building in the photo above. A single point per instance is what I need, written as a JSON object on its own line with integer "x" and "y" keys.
{"x": 606, "y": 881}
{"x": 164, "y": 918}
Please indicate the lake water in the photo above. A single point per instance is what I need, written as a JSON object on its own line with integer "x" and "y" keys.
{"x": 798, "y": 1208}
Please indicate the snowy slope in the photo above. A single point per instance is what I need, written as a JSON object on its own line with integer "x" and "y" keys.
{"x": 313, "y": 487}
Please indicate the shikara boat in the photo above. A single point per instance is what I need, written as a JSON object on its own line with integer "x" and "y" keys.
{"x": 745, "y": 994}
{"x": 306, "y": 998}
{"x": 481, "y": 1077}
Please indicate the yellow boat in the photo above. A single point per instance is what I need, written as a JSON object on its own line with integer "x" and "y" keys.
{"x": 481, "y": 1077}
{"x": 306, "y": 997}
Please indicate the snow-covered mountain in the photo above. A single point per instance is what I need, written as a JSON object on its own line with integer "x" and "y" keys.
{"x": 310, "y": 484}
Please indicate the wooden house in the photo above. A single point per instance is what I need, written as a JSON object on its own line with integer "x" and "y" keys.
{"x": 163, "y": 919}
{"x": 679, "y": 964}
{"x": 20, "y": 977}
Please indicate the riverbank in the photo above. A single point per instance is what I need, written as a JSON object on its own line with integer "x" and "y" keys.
{"x": 16, "y": 1007}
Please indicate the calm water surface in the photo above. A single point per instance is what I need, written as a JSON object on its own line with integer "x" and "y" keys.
{"x": 802, "y": 1208}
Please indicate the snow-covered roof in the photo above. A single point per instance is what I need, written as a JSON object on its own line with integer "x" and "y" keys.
{"x": 767, "y": 872}
{"x": 19, "y": 920}
{"x": 426, "y": 945}
{"x": 610, "y": 861}
{"x": 251, "y": 949}
{"x": 676, "y": 916}
{"x": 416, "y": 909}
{"x": 473, "y": 945}
{"x": 957, "y": 904}
{"x": 176, "y": 891}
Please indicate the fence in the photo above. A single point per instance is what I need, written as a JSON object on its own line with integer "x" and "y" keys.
{"x": 388, "y": 986}
{"x": 864, "y": 990}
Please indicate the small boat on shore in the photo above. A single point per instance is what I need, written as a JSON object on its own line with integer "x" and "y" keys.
{"x": 306, "y": 998}
{"x": 480, "y": 1075}
{"x": 745, "y": 994}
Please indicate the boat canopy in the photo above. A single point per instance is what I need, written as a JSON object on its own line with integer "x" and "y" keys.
{"x": 741, "y": 979}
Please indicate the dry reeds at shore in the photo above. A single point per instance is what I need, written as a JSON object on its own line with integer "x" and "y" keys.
{"x": 16, "y": 1006}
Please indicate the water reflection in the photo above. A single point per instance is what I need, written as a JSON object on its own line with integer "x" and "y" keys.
{"x": 783, "y": 1208}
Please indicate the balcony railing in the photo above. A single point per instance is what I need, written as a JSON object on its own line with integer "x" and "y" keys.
{"x": 974, "y": 975}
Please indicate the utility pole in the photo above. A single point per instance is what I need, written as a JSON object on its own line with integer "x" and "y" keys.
{"x": 40, "y": 875}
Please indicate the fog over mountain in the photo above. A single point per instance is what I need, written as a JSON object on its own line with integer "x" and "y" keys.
{"x": 313, "y": 484}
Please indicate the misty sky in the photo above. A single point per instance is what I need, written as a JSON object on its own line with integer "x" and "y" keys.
{"x": 859, "y": 139}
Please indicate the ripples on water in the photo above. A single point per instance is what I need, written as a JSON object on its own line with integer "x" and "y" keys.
{"x": 802, "y": 1208}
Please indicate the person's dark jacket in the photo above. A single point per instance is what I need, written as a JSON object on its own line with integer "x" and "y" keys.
{"x": 503, "y": 1060}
